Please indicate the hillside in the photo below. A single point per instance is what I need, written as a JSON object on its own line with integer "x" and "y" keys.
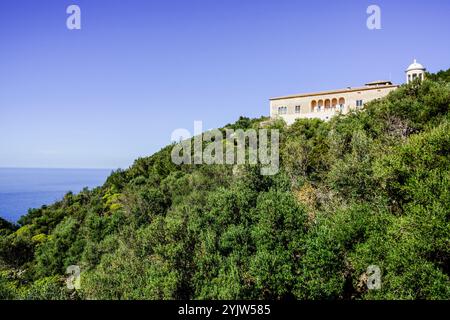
{"x": 368, "y": 188}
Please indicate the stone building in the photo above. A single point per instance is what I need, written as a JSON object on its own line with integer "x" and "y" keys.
{"x": 325, "y": 104}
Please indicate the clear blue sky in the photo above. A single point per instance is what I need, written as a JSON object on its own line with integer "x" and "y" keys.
{"x": 116, "y": 89}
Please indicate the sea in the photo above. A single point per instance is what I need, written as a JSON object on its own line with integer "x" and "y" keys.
{"x": 22, "y": 189}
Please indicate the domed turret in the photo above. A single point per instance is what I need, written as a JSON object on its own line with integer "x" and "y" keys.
{"x": 414, "y": 71}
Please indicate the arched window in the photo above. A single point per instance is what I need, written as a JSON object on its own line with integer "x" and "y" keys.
{"x": 341, "y": 103}
{"x": 313, "y": 105}
{"x": 327, "y": 104}
{"x": 334, "y": 103}
{"x": 320, "y": 105}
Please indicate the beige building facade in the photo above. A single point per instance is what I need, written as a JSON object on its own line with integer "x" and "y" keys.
{"x": 325, "y": 104}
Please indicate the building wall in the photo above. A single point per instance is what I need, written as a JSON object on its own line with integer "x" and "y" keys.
{"x": 307, "y": 110}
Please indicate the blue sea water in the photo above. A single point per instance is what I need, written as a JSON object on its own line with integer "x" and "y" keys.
{"x": 21, "y": 189}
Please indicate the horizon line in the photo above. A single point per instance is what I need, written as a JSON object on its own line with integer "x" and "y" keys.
{"x": 61, "y": 168}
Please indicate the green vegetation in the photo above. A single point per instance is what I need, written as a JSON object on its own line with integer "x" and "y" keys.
{"x": 368, "y": 188}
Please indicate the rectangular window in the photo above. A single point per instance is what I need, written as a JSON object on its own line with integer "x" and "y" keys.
{"x": 297, "y": 109}
{"x": 359, "y": 103}
{"x": 282, "y": 110}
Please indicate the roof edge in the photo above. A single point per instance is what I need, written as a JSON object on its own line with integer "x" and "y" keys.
{"x": 303, "y": 95}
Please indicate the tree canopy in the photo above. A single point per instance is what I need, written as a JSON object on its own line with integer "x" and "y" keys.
{"x": 367, "y": 188}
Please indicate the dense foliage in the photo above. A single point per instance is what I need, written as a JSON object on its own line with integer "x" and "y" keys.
{"x": 367, "y": 188}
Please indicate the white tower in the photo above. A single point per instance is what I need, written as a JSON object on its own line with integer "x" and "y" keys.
{"x": 414, "y": 71}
